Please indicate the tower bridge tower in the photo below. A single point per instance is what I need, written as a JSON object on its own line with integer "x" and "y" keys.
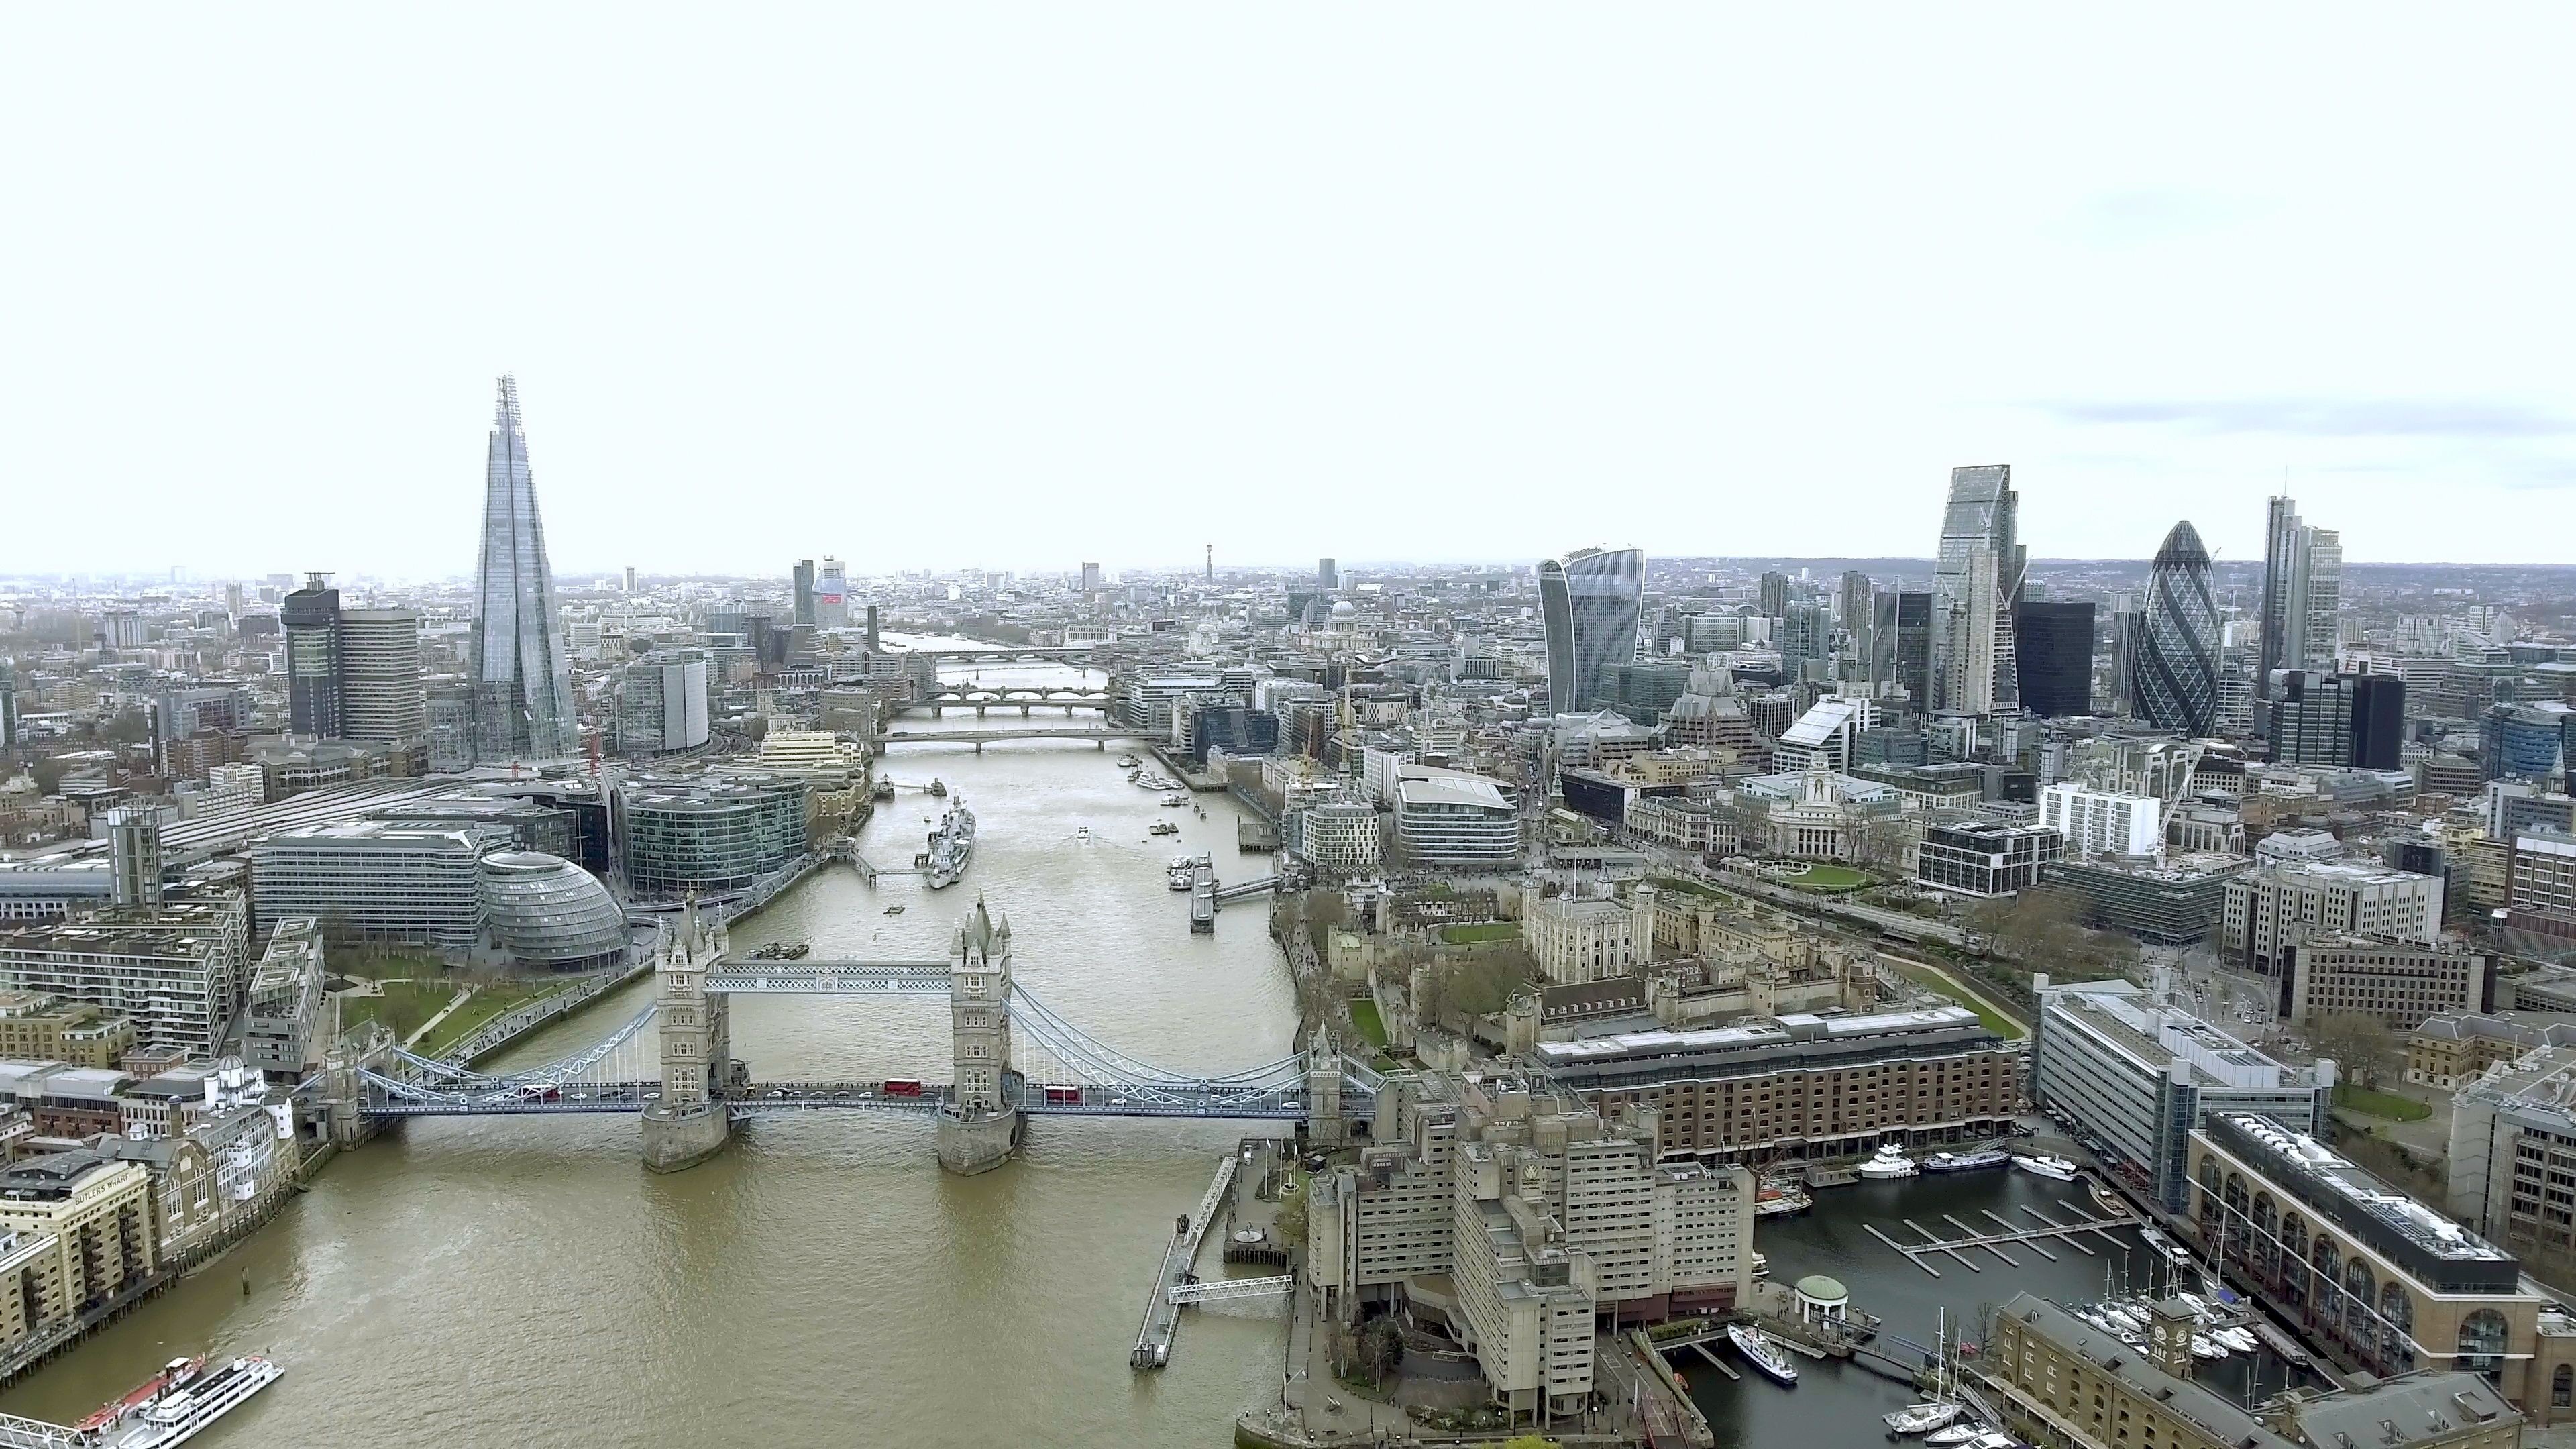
{"x": 980, "y": 1123}
{"x": 689, "y": 1124}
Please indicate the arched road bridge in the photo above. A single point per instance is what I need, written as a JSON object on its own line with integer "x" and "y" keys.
{"x": 1013, "y": 1057}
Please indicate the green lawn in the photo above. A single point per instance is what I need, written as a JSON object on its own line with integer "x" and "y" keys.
{"x": 1481, "y": 931}
{"x": 2380, "y": 1104}
{"x": 1995, "y": 1021}
{"x": 1829, "y": 879}
{"x": 487, "y": 1003}
{"x": 1697, "y": 888}
{"x": 402, "y": 1008}
{"x": 1364, "y": 1016}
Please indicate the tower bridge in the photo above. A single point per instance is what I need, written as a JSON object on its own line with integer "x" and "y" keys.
{"x": 1012, "y": 1057}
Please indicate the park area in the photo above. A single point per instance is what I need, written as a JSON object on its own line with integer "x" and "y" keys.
{"x": 406, "y": 1005}
{"x": 1828, "y": 879}
{"x": 1468, "y": 935}
{"x": 2379, "y": 1104}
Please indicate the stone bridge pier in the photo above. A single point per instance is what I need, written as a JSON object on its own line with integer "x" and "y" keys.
{"x": 979, "y": 1125}
{"x": 689, "y": 1124}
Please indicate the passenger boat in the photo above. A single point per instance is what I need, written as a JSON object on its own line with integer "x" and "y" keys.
{"x": 1763, "y": 1354}
{"x": 174, "y": 1405}
{"x": 1182, "y": 873}
{"x": 1891, "y": 1161}
{"x": 1162, "y": 827}
{"x": 2056, "y": 1168}
{"x": 952, "y": 844}
{"x": 1966, "y": 1161}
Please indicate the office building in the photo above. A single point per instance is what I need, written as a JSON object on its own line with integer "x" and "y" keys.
{"x": 2390, "y": 1284}
{"x": 311, "y": 619}
{"x": 1976, "y": 580}
{"x": 832, "y": 597}
{"x": 1451, "y": 818}
{"x": 1328, "y": 577}
{"x": 1590, "y": 603}
{"x": 1985, "y": 858}
{"x": 2053, "y": 648}
{"x": 2274, "y": 906}
{"x": 1854, "y": 603}
{"x": 662, "y": 703}
{"x": 381, "y": 692}
{"x": 2511, "y": 1163}
{"x": 1091, "y": 578}
{"x": 1806, "y": 637}
{"x": 2173, "y": 901}
{"x": 1774, "y": 594}
{"x": 707, "y": 834}
{"x": 2139, "y": 1076}
{"x": 549, "y": 914}
{"x": 2352, "y": 720}
{"x": 2102, "y": 822}
{"x": 521, "y": 666}
{"x": 377, "y": 880}
{"x": 801, "y": 583}
{"x": 2065, "y": 1381}
{"x": 2302, "y": 595}
{"x": 2397, "y": 982}
{"x": 1337, "y": 837}
{"x": 2525, "y": 741}
{"x": 1900, "y": 643}
{"x": 1802, "y": 1084}
{"x": 2176, "y": 681}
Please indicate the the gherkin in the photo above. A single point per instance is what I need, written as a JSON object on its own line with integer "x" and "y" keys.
{"x": 2176, "y": 686}
{"x": 522, "y": 671}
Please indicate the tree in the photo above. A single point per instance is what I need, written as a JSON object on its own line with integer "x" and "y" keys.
{"x": 1982, "y": 1320}
{"x": 128, "y": 728}
{"x": 2361, "y": 1044}
{"x": 1381, "y": 1349}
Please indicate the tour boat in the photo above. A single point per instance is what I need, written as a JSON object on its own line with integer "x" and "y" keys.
{"x": 1923, "y": 1418}
{"x": 1891, "y": 1161}
{"x": 2044, "y": 1165}
{"x": 1762, "y": 1353}
{"x": 1966, "y": 1161}
{"x": 172, "y": 1406}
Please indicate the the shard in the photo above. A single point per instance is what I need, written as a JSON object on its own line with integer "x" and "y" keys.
{"x": 522, "y": 671}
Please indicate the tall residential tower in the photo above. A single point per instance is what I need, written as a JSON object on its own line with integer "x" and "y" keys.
{"x": 522, "y": 671}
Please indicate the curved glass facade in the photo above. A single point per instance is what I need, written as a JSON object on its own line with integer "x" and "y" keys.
{"x": 1591, "y": 601}
{"x": 2177, "y": 661}
{"x": 547, "y": 911}
{"x": 709, "y": 835}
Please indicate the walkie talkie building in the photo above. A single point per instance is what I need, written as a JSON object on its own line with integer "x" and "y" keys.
{"x": 1590, "y": 601}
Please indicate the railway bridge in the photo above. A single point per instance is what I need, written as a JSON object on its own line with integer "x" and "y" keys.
{"x": 1012, "y": 1058}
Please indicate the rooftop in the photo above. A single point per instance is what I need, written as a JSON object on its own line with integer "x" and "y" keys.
{"x": 2306, "y": 1162}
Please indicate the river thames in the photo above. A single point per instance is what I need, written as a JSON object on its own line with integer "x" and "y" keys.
{"x": 508, "y": 1282}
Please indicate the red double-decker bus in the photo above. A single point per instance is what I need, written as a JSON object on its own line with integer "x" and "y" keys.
{"x": 902, "y": 1087}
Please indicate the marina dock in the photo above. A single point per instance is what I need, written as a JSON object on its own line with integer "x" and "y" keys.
{"x": 2051, "y": 1229}
{"x": 1163, "y": 1308}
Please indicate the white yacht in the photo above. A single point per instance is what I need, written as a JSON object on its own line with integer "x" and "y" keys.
{"x": 2057, "y": 1168}
{"x": 1891, "y": 1161}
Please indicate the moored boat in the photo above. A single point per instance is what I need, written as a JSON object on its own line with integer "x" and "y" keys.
{"x": 952, "y": 844}
{"x": 1923, "y": 1418}
{"x": 176, "y": 1404}
{"x": 2043, "y": 1165}
{"x": 1966, "y": 1161}
{"x": 1760, "y": 1351}
{"x": 1890, "y": 1161}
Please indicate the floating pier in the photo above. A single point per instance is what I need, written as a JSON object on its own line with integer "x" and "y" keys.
{"x": 2053, "y": 1230}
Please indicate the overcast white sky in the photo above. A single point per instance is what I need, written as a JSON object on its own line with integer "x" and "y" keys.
{"x": 933, "y": 285}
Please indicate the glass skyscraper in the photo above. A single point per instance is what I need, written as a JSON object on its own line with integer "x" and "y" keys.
{"x": 2053, "y": 649}
{"x": 2177, "y": 655}
{"x": 522, "y": 670}
{"x": 310, "y": 618}
{"x": 1976, "y": 579}
{"x": 1592, "y": 601}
